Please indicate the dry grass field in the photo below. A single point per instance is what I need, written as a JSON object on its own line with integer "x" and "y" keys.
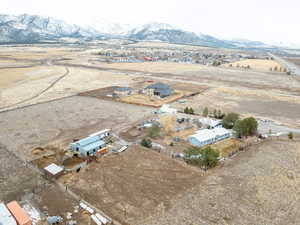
{"x": 154, "y": 67}
{"x": 248, "y": 102}
{"x": 226, "y": 146}
{"x": 257, "y": 64}
{"x": 259, "y": 186}
{"x": 141, "y": 99}
{"x": 58, "y": 122}
{"x": 26, "y": 83}
{"x": 294, "y": 60}
{"x": 16, "y": 178}
{"x": 132, "y": 185}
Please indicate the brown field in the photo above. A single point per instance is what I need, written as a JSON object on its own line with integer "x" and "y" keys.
{"x": 59, "y": 122}
{"x": 132, "y": 185}
{"x": 27, "y": 83}
{"x": 251, "y": 188}
{"x": 294, "y": 60}
{"x": 257, "y": 64}
{"x": 141, "y": 99}
{"x": 17, "y": 76}
{"x": 16, "y": 178}
{"x": 227, "y": 146}
{"x": 154, "y": 67}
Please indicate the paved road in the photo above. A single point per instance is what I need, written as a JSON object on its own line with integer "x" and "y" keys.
{"x": 291, "y": 66}
{"x": 264, "y": 127}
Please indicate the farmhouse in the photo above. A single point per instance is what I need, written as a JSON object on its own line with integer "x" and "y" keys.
{"x": 208, "y": 136}
{"x": 159, "y": 89}
{"x": 91, "y": 145}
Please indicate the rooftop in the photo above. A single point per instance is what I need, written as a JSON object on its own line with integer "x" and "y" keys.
{"x": 93, "y": 145}
{"x": 88, "y": 140}
{"x": 158, "y": 85}
{"x": 121, "y": 89}
{"x": 53, "y": 169}
{"x": 207, "y": 134}
{"x": 5, "y": 216}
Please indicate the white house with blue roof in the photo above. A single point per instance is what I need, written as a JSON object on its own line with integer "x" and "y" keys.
{"x": 88, "y": 146}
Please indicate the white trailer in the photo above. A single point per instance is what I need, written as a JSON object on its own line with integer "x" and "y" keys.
{"x": 102, "y": 134}
{"x": 96, "y": 220}
{"x": 85, "y": 207}
{"x": 102, "y": 218}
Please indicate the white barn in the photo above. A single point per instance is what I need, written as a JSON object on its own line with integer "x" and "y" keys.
{"x": 209, "y": 136}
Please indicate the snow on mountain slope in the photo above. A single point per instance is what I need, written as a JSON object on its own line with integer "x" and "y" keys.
{"x": 33, "y": 28}
{"x": 30, "y": 28}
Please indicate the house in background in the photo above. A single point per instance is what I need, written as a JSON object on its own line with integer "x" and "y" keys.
{"x": 159, "y": 89}
{"x": 209, "y": 136}
{"x": 123, "y": 91}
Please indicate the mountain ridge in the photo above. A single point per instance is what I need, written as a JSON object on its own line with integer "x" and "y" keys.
{"x": 27, "y": 28}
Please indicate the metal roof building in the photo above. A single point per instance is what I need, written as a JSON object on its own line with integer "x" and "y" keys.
{"x": 6, "y": 217}
{"x": 209, "y": 136}
{"x": 161, "y": 89}
{"x": 54, "y": 170}
{"x": 88, "y": 146}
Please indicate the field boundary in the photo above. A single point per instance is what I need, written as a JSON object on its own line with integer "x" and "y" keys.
{"x": 42, "y": 92}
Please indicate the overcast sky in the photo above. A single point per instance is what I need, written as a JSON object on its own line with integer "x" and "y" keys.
{"x": 263, "y": 20}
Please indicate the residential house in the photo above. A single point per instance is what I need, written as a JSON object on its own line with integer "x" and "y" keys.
{"x": 159, "y": 89}
{"x": 209, "y": 136}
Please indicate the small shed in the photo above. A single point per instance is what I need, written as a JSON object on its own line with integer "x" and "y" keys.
{"x": 53, "y": 170}
{"x": 6, "y": 218}
{"x": 19, "y": 214}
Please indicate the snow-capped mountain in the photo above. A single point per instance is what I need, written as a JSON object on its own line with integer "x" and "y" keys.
{"x": 163, "y": 32}
{"x": 104, "y": 26}
{"x": 32, "y": 28}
